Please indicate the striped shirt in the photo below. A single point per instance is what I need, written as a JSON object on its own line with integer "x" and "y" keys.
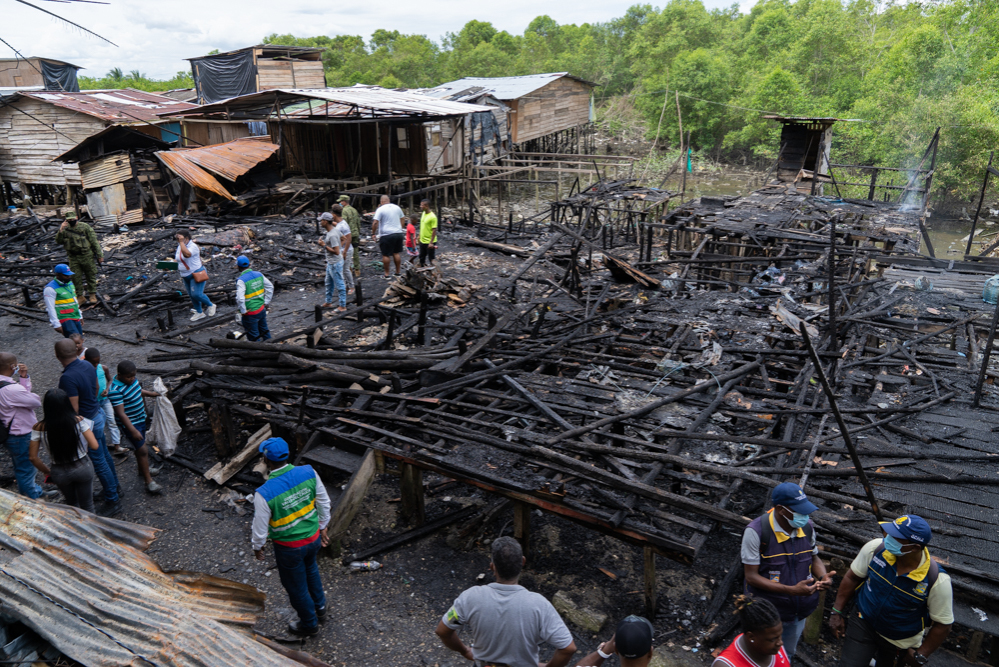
{"x": 131, "y": 397}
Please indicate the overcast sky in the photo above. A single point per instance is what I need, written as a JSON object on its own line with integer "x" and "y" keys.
{"x": 154, "y": 37}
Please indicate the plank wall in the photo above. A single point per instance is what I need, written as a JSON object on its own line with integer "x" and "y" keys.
{"x": 198, "y": 133}
{"x": 21, "y": 73}
{"x": 562, "y": 104}
{"x": 28, "y": 143}
{"x": 273, "y": 73}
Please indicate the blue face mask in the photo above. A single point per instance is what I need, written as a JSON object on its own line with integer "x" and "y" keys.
{"x": 893, "y": 546}
{"x": 798, "y": 520}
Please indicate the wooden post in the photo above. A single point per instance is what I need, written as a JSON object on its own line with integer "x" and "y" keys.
{"x": 221, "y": 422}
{"x": 975, "y": 645}
{"x": 350, "y": 501}
{"x": 522, "y": 527}
{"x": 650, "y": 581}
{"x": 874, "y": 180}
{"x": 813, "y": 624}
{"x": 981, "y": 199}
{"x": 411, "y": 505}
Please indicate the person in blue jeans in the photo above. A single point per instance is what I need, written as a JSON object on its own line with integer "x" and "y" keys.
{"x": 253, "y": 293}
{"x": 188, "y": 257}
{"x": 79, "y": 381}
{"x": 17, "y": 409}
{"x": 292, "y": 508}
{"x": 126, "y": 396}
{"x": 332, "y": 243}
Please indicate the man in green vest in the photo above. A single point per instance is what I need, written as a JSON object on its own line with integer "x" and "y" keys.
{"x": 292, "y": 508}
{"x": 253, "y": 293}
{"x": 61, "y": 304}
{"x": 80, "y": 242}
{"x": 353, "y": 219}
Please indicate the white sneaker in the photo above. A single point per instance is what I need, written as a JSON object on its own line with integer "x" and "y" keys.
{"x": 211, "y": 310}
{"x": 194, "y": 312}
{"x": 198, "y": 316}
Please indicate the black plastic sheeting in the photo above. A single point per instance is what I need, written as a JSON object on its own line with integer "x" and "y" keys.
{"x": 223, "y": 76}
{"x": 489, "y": 132}
{"x": 60, "y": 76}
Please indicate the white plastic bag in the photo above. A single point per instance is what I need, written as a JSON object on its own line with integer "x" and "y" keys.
{"x": 164, "y": 430}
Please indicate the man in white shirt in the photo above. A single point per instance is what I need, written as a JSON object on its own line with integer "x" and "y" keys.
{"x": 387, "y": 230}
{"x": 332, "y": 243}
{"x": 347, "y": 242}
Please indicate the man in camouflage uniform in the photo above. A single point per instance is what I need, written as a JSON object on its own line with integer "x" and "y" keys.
{"x": 80, "y": 242}
{"x": 353, "y": 219}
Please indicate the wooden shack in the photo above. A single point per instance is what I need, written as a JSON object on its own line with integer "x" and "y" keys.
{"x": 804, "y": 148}
{"x": 37, "y": 74}
{"x": 38, "y": 127}
{"x": 221, "y": 76}
{"x": 478, "y": 138}
{"x": 548, "y": 112}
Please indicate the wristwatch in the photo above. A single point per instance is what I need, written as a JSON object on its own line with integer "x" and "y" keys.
{"x": 920, "y": 658}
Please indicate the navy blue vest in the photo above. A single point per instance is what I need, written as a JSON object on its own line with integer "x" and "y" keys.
{"x": 895, "y": 606}
{"x": 786, "y": 562}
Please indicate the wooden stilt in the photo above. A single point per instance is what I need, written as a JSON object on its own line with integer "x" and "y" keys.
{"x": 411, "y": 505}
{"x": 650, "y": 582}
{"x": 522, "y": 527}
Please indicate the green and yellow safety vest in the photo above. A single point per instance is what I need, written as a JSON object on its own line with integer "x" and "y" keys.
{"x": 67, "y": 308}
{"x": 253, "y": 295}
{"x": 290, "y": 493}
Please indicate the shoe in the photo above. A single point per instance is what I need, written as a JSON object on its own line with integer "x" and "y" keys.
{"x": 109, "y": 509}
{"x": 321, "y": 612}
{"x": 295, "y": 628}
{"x": 341, "y": 309}
{"x": 198, "y": 316}
{"x": 92, "y": 298}
{"x": 154, "y": 471}
{"x": 194, "y": 312}
{"x": 154, "y": 488}
{"x": 48, "y": 494}
{"x": 211, "y": 310}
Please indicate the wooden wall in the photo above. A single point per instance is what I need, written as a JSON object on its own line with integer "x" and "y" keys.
{"x": 321, "y": 149}
{"x": 206, "y": 133}
{"x": 28, "y": 143}
{"x": 21, "y": 73}
{"x": 273, "y": 73}
{"x": 562, "y": 104}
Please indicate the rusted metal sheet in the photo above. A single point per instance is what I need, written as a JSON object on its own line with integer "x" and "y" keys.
{"x": 192, "y": 173}
{"x": 126, "y": 106}
{"x": 231, "y": 159}
{"x": 83, "y": 583}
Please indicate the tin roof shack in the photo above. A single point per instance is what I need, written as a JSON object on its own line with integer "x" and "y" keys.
{"x": 548, "y": 112}
{"x": 262, "y": 67}
{"x": 37, "y": 74}
{"x": 479, "y": 138}
{"x": 120, "y": 175}
{"x": 336, "y": 132}
{"x": 38, "y": 127}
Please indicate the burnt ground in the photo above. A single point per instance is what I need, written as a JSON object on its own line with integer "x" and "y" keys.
{"x": 387, "y": 617}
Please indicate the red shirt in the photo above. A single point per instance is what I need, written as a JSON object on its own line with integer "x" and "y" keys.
{"x": 734, "y": 656}
{"x": 410, "y": 236}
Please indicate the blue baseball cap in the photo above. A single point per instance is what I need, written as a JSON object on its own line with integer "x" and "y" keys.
{"x": 909, "y": 527}
{"x": 63, "y": 270}
{"x": 792, "y": 497}
{"x": 243, "y": 261}
{"x": 274, "y": 449}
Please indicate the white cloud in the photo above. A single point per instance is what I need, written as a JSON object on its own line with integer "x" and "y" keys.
{"x": 156, "y": 37}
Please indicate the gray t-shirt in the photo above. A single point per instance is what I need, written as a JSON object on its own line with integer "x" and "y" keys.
{"x": 332, "y": 239}
{"x": 751, "y": 544}
{"x": 507, "y": 623}
{"x": 389, "y": 217}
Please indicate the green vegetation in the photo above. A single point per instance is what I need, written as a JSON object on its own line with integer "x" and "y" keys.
{"x": 135, "y": 79}
{"x": 902, "y": 68}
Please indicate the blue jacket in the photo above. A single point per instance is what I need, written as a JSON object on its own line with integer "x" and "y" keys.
{"x": 896, "y": 606}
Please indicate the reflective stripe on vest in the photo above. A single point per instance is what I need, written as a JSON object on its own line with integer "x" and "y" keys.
{"x": 66, "y": 305}
{"x": 787, "y": 562}
{"x": 896, "y": 606}
{"x": 253, "y": 296}
{"x": 290, "y": 492}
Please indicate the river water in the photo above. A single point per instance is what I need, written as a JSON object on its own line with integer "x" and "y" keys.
{"x": 949, "y": 235}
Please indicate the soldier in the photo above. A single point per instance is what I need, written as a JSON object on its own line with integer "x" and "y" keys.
{"x": 80, "y": 242}
{"x": 353, "y": 219}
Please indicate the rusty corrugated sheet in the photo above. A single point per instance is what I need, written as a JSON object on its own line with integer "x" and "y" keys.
{"x": 192, "y": 173}
{"x": 233, "y": 158}
{"x": 125, "y": 106}
{"x": 83, "y": 583}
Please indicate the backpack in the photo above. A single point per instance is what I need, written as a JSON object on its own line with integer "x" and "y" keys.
{"x": 76, "y": 241}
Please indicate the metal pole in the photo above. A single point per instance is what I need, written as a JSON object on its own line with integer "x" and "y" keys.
{"x": 843, "y": 430}
{"x": 985, "y": 358}
{"x": 981, "y": 198}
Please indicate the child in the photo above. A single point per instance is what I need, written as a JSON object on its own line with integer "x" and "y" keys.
{"x": 130, "y": 411}
{"x": 93, "y": 356}
{"x": 411, "y": 250}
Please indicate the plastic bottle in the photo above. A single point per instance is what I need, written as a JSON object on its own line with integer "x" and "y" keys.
{"x": 991, "y": 291}
{"x": 365, "y": 565}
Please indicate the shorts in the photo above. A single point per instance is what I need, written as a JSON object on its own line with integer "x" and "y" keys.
{"x": 127, "y": 437}
{"x": 70, "y": 327}
{"x": 391, "y": 244}
{"x": 412, "y": 252}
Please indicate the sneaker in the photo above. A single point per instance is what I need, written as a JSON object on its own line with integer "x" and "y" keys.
{"x": 198, "y": 316}
{"x": 194, "y": 312}
{"x": 211, "y": 310}
{"x": 321, "y": 612}
{"x": 109, "y": 509}
{"x": 154, "y": 488}
{"x": 154, "y": 471}
{"x": 295, "y": 628}
{"x": 48, "y": 494}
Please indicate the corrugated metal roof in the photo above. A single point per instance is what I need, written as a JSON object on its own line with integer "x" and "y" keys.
{"x": 364, "y": 102}
{"x": 119, "y": 106}
{"x": 192, "y": 173}
{"x": 503, "y": 87}
{"x": 231, "y": 159}
{"x": 83, "y": 584}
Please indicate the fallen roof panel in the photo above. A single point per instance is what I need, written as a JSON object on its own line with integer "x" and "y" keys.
{"x": 231, "y": 159}
{"x": 192, "y": 173}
